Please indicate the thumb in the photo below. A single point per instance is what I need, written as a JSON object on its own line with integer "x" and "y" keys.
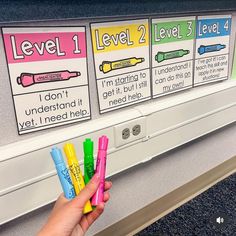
{"x": 86, "y": 193}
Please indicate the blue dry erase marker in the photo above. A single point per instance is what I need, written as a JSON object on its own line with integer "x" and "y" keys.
{"x": 210, "y": 48}
{"x": 63, "y": 173}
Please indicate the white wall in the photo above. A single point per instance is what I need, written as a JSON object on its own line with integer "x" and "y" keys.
{"x": 26, "y": 169}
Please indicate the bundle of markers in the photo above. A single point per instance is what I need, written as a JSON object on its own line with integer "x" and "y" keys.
{"x": 72, "y": 180}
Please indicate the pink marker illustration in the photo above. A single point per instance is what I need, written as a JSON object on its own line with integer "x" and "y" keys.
{"x": 28, "y": 79}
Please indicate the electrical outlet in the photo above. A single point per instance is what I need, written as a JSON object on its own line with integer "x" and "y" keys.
{"x": 136, "y": 130}
{"x": 130, "y": 131}
{"x": 125, "y": 133}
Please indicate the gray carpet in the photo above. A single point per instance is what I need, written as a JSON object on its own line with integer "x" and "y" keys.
{"x": 198, "y": 216}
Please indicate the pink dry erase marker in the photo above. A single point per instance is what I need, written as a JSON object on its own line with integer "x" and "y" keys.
{"x": 27, "y": 79}
{"x": 101, "y": 170}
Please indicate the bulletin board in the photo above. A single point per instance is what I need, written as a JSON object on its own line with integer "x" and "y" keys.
{"x": 84, "y": 72}
{"x": 83, "y": 69}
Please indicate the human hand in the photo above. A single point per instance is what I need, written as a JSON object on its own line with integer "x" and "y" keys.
{"x": 67, "y": 218}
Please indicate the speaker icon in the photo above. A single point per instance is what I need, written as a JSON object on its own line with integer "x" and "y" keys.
{"x": 220, "y": 220}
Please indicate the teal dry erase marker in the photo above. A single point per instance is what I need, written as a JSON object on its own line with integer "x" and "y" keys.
{"x": 88, "y": 160}
{"x": 63, "y": 173}
{"x": 210, "y": 48}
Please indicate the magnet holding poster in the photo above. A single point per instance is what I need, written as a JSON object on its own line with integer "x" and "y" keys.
{"x": 172, "y": 54}
{"x": 121, "y": 58}
{"x": 212, "y": 49}
{"x": 48, "y": 75}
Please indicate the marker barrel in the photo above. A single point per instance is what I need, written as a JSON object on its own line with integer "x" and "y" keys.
{"x": 162, "y": 56}
{"x": 108, "y": 66}
{"x": 88, "y": 160}
{"x": 27, "y": 79}
{"x": 63, "y": 173}
{"x": 77, "y": 177}
{"x": 98, "y": 197}
{"x": 210, "y": 48}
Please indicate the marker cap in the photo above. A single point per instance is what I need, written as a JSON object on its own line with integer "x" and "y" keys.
{"x": 140, "y": 60}
{"x": 88, "y": 146}
{"x": 69, "y": 150}
{"x": 57, "y": 155}
{"x": 159, "y": 57}
{"x": 103, "y": 143}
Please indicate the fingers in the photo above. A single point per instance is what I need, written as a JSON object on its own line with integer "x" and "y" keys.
{"x": 96, "y": 213}
{"x": 87, "y": 220}
{"x": 86, "y": 193}
{"x": 106, "y": 196}
{"x": 70, "y": 212}
{"x": 61, "y": 201}
{"x": 108, "y": 185}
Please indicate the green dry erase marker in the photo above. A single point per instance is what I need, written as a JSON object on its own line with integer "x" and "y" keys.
{"x": 162, "y": 56}
{"x": 88, "y": 160}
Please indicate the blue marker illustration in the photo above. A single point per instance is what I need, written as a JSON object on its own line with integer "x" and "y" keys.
{"x": 63, "y": 173}
{"x": 210, "y": 48}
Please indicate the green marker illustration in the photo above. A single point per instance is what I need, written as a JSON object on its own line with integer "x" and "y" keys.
{"x": 88, "y": 160}
{"x": 162, "y": 56}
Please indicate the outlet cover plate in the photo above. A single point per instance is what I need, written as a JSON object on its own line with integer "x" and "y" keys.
{"x": 119, "y": 141}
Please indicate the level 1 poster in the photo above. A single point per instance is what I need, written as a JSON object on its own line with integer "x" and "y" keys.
{"x": 48, "y": 75}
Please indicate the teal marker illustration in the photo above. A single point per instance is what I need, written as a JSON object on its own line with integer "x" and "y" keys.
{"x": 162, "y": 56}
{"x": 210, "y": 48}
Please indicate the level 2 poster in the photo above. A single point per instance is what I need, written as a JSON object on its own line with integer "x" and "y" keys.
{"x": 212, "y": 49}
{"x": 121, "y": 58}
{"x": 48, "y": 75}
{"x": 172, "y": 54}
